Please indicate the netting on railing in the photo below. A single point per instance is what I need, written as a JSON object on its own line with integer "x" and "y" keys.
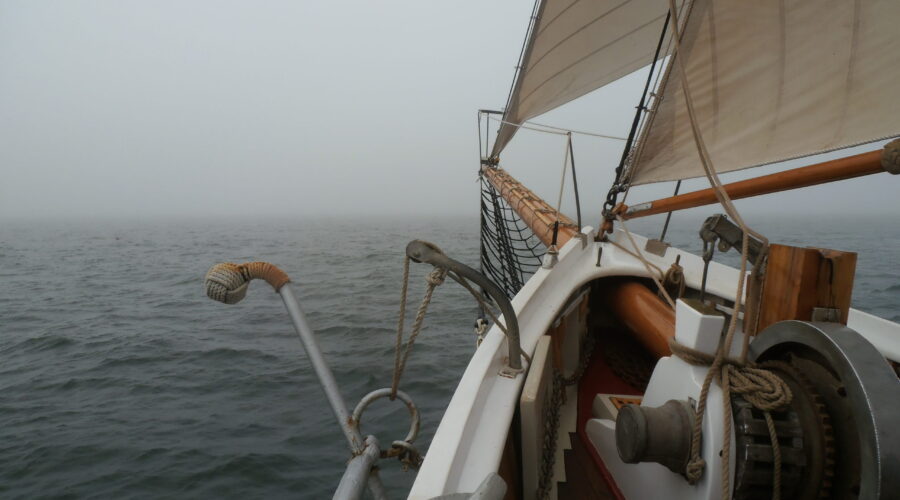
{"x": 510, "y": 252}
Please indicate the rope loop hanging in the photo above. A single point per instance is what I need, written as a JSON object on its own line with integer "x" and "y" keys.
{"x": 434, "y": 279}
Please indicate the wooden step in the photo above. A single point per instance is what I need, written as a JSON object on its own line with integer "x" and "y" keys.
{"x": 583, "y": 480}
{"x": 564, "y": 491}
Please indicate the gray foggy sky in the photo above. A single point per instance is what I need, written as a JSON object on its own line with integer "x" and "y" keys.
{"x": 162, "y": 108}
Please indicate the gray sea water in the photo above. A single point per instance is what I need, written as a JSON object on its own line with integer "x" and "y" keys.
{"x": 119, "y": 379}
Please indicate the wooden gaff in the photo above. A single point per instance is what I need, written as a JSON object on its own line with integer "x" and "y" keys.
{"x": 535, "y": 212}
{"x": 820, "y": 173}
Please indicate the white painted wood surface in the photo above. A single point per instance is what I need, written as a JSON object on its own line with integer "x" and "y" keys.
{"x": 469, "y": 441}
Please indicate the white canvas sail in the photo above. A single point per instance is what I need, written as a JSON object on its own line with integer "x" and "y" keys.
{"x": 576, "y": 46}
{"x": 776, "y": 79}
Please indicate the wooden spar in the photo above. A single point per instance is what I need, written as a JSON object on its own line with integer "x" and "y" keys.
{"x": 535, "y": 212}
{"x": 648, "y": 318}
{"x": 829, "y": 171}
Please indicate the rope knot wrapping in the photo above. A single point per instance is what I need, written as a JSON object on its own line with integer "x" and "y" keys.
{"x": 436, "y": 277}
{"x": 228, "y": 282}
{"x": 694, "y": 470}
{"x": 760, "y": 387}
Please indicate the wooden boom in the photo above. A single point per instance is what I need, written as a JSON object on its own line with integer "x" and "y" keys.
{"x": 535, "y": 212}
{"x": 820, "y": 173}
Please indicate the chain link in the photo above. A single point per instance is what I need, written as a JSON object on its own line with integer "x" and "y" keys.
{"x": 551, "y": 428}
{"x": 551, "y": 416}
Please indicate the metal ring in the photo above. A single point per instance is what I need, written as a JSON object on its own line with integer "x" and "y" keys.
{"x": 380, "y": 393}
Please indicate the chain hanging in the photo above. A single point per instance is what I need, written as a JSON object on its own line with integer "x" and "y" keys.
{"x": 551, "y": 416}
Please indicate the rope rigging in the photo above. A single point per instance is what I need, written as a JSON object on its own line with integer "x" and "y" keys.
{"x": 404, "y": 449}
{"x": 761, "y": 387}
{"x": 574, "y": 183}
{"x": 616, "y": 188}
{"x": 510, "y": 252}
{"x": 434, "y": 279}
{"x": 550, "y": 129}
{"x": 504, "y": 250}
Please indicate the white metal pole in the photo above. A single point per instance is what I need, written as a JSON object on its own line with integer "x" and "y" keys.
{"x": 330, "y": 387}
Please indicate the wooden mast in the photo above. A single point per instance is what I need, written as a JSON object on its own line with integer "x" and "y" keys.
{"x": 535, "y": 212}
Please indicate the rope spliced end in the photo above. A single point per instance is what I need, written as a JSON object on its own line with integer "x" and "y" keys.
{"x": 890, "y": 157}
{"x": 228, "y": 282}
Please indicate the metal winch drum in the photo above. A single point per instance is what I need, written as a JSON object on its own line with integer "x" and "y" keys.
{"x": 842, "y": 430}
{"x": 838, "y": 438}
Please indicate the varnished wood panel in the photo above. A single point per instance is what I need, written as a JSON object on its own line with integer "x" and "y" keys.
{"x": 800, "y": 279}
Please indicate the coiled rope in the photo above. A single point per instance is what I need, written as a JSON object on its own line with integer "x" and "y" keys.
{"x": 760, "y": 387}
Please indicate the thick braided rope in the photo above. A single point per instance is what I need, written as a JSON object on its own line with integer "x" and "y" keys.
{"x": 228, "y": 282}
{"x": 434, "y": 279}
{"x": 399, "y": 343}
{"x": 776, "y": 456}
{"x": 725, "y": 201}
{"x": 640, "y": 256}
{"x": 761, "y": 388}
